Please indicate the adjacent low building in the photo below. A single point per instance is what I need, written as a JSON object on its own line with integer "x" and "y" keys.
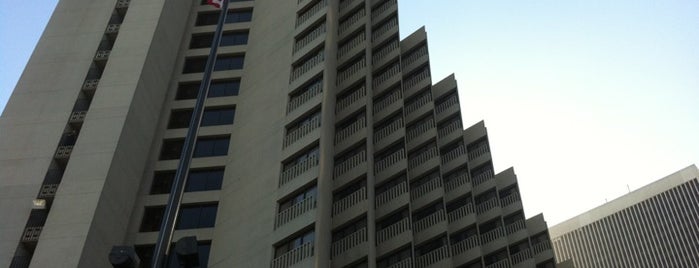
{"x": 654, "y": 226}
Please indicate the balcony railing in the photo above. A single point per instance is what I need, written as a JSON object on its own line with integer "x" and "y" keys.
{"x": 432, "y": 256}
{"x": 386, "y": 74}
{"x": 112, "y": 28}
{"x": 387, "y": 130}
{"x": 48, "y": 190}
{"x": 294, "y": 211}
{"x": 492, "y": 235}
{"x": 521, "y": 256}
{"x": 351, "y": 44}
{"x": 386, "y": 101}
{"x": 349, "y": 163}
{"x": 393, "y": 230}
{"x": 347, "y": 23}
{"x": 446, "y": 104}
{"x": 300, "y": 132}
{"x": 459, "y": 213}
{"x": 464, "y": 245}
{"x": 482, "y": 177}
{"x": 348, "y": 72}
{"x": 420, "y": 128}
{"x": 422, "y": 157}
{"x": 344, "y": 4}
{"x": 348, "y": 100}
{"x": 389, "y": 160}
{"x": 307, "y": 65}
{"x": 391, "y": 193}
{"x": 541, "y": 247}
{"x": 405, "y": 263}
{"x": 515, "y": 226}
{"x": 349, "y": 130}
{"x": 311, "y": 91}
{"x": 416, "y": 78}
{"x": 349, "y": 201}
{"x": 293, "y": 256}
{"x": 348, "y": 242}
{"x": 310, "y": 36}
{"x": 454, "y": 153}
{"x": 77, "y": 117}
{"x": 414, "y": 56}
{"x": 450, "y": 127}
{"x": 64, "y": 151}
{"x": 306, "y": 15}
{"x": 432, "y": 219}
{"x": 507, "y": 200}
{"x": 434, "y": 183}
{"x": 384, "y": 28}
{"x": 385, "y": 50}
{"x": 102, "y": 55}
{"x": 298, "y": 169}
{"x": 417, "y": 103}
{"x": 455, "y": 181}
{"x": 91, "y": 85}
{"x": 382, "y": 8}
{"x": 31, "y": 234}
{"x": 478, "y": 151}
{"x": 487, "y": 205}
{"x": 123, "y": 4}
{"x": 504, "y": 263}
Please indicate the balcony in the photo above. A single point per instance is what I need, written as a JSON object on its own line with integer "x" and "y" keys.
{"x": 379, "y": 12}
{"x": 385, "y": 29}
{"x": 455, "y": 181}
{"x": 515, "y": 226}
{"x": 294, "y": 211}
{"x": 388, "y": 104}
{"x": 31, "y": 234}
{"x": 350, "y": 45}
{"x": 418, "y": 129}
{"x": 433, "y": 184}
{"x": 389, "y": 160}
{"x": 478, "y": 151}
{"x": 349, "y": 242}
{"x": 311, "y": 12}
{"x": 307, "y": 65}
{"x": 541, "y": 247}
{"x": 349, "y": 201}
{"x": 383, "y": 53}
{"x": 393, "y": 230}
{"x": 90, "y": 85}
{"x": 298, "y": 169}
{"x": 447, "y": 107}
{"x": 48, "y": 190}
{"x": 391, "y": 194}
{"x": 504, "y": 263}
{"x": 346, "y": 5}
{"x": 482, "y": 177}
{"x": 382, "y": 80}
{"x": 416, "y": 82}
{"x": 432, "y": 257}
{"x": 413, "y": 57}
{"x": 387, "y": 130}
{"x": 347, "y": 101}
{"x": 302, "y": 42}
{"x": 405, "y": 263}
{"x": 351, "y": 22}
{"x": 417, "y": 103}
{"x": 492, "y": 235}
{"x": 429, "y": 221}
{"x": 464, "y": 245}
{"x": 510, "y": 199}
{"x": 344, "y": 75}
{"x": 454, "y": 153}
{"x": 422, "y": 161}
{"x": 346, "y": 132}
{"x": 309, "y": 93}
{"x": 122, "y": 4}
{"x": 102, "y": 55}
{"x": 63, "y": 152}
{"x": 112, "y": 29}
{"x": 300, "y": 132}
{"x": 77, "y": 117}
{"x": 294, "y": 256}
{"x": 521, "y": 256}
{"x": 459, "y": 213}
{"x": 487, "y": 205}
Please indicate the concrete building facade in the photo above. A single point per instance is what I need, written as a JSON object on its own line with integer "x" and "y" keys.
{"x": 654, "y": 226}
{"x": 324, "y": 143}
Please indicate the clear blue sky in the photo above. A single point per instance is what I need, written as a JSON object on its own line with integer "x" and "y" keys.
{"x": 582, "y": 97}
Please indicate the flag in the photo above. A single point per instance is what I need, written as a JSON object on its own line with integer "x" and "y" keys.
{"x": 216, "y": 3}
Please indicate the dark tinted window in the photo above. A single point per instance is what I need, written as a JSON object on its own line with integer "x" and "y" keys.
{"x": 224, "y": 88}
{"x": 228, "y": 63}
{"x": 227, "y": 39}
{"x": 196, "y": 216}
{"x": 209, "y": 18}
{"x": 218, "y": 116}
{"x": 187, "y": 91}
{"x": 211, "y": 147}
{"x": 171, "y": 149}
{"x": 194, "y": 65}
{"x": 162, "y": 182}
{"x": 238, "y": 16}
{"x": 152, "y": 217}
{"x": 204, "y": 180}
{"x": 179, "y": 119}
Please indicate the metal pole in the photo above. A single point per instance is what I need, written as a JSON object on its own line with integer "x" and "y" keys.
{"x": 167, "y": 227}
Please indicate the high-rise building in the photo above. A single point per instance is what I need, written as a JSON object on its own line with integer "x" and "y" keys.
{"x": 654, "y": 226}
{"x": 323, "y": 143}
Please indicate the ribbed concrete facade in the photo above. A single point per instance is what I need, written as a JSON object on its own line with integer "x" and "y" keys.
{"x": 325, "y": 143}
{"x": 654, "y": 226}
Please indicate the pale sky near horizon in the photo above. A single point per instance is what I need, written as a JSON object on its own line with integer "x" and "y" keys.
{"x": 582, "y": 97}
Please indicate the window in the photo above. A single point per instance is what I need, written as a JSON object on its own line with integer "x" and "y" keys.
{"x": 198, "y": 180}
{"x": 145, "y": 253}
{"x": 223, "y": 63}
{"x": 229, "y": 62}
{"x": 179, "y": 119}
{"x": 311, "y": 192}
{"x": 209, "y": 18}
{"x": 227, "y": 39}
{"x": 211, "y": 147}
{"x": 234, "y": 16}
{"x": 172, "y": 149}
{"x": 204, "y": 180}
{"x": 294, "y": 243}
{"x": 152, "y": 218}
{"x": 218, "y": 116}
{"x": 162, "y": 182}
{"x": 217, "y": 88}
{"x": 196, "y": 216}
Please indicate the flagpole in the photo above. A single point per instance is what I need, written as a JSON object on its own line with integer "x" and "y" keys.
{"x": 167, "y": 226}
